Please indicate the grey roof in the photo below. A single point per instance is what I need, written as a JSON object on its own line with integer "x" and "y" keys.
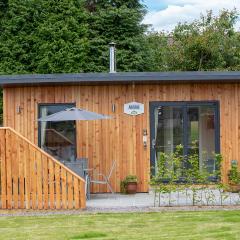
{"x": 118, "y": 78}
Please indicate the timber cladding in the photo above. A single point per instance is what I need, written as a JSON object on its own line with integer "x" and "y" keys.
{"x": 121, "y": 138}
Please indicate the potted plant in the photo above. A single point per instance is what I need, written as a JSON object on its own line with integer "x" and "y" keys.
{"x": 129, "y": 184}
{"x": 234, "y": 178}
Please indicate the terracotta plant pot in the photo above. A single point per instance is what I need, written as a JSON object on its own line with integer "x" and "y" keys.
{"x": 235, "y": 188}
{"x": 131, "y": 187}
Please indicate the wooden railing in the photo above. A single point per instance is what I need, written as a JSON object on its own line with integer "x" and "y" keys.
{"x": 32, "y": 179}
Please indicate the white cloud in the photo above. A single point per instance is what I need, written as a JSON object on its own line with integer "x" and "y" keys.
{"x": 186, "y": 11}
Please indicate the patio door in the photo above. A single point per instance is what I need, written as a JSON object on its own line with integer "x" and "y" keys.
{"x": 194, "y": 125}
{"x": 57, "y": 138}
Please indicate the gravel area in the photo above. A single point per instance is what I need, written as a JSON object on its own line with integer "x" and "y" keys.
{"x": 117, "y": 203}
{"x": 29, "y": 213}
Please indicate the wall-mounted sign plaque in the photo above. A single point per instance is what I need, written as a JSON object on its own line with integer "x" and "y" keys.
{"x": 134, "y": 108}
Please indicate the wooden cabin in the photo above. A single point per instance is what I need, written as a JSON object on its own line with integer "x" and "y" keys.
{"x": 152, "y": 113}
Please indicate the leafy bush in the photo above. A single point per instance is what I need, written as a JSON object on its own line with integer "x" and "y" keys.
{"x": 234, "y": 175}
{"x": 177, "y": 168}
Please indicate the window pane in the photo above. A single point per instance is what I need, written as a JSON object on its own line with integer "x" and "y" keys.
{"x": 57, "y": 138}
{"x": 207, "y": 137}
{"x": 201, "y": 135}
{"x": 168, "y": 130}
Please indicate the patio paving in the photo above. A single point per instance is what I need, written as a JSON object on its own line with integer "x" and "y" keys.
{"x": 111, "y": 201}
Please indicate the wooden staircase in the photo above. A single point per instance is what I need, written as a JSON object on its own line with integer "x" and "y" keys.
{"x": 32, "y": 179}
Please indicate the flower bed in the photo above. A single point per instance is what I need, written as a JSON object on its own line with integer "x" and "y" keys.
{"x": 200, "y": 196}
{"x": 179, "y": 180}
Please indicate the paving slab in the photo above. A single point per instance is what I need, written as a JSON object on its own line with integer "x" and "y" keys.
{"x": 105, "y": 201}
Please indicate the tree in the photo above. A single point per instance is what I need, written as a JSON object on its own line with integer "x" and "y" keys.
{"x": 49, "y": 36}
{"x": 44, "y": 36}
{"x": 210, "y": 43}
{"x": 3, "y": 7}
{"x": 118, "y": 21}
{"x": 157, "y": 43}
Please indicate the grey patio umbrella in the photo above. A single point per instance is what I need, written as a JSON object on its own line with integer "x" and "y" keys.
{"x": 71, "y": 114}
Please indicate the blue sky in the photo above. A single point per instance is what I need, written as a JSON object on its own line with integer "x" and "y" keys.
{"x": 155, "y": 5}
{"x": 165, "y": 14}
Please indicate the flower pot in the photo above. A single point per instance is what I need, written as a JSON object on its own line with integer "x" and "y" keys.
{"x": 235, "y": 188}
{"x": 131, "y": 187}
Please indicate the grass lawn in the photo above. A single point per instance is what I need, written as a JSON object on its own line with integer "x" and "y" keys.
{"x": 167, "y": 225}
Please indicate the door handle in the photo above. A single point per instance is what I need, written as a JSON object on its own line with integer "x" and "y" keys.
{"x": 153, "y": 143}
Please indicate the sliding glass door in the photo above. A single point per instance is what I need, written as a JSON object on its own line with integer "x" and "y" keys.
{"x": 192, "y": 125}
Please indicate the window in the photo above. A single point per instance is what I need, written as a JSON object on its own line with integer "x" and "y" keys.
{"x": 57, "y": 138}
{"x": 192, "y": 125}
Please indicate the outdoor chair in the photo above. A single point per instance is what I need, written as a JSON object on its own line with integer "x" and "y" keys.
{"x": 83, "y": 168}
{"x": 77, "y": 166}
{"x": 80, "y": 167}
{"x": 82, "y": 164}
{"x": 106, "y": 178}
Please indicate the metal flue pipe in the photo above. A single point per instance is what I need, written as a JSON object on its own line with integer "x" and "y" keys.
{"x": 112, "y": 64}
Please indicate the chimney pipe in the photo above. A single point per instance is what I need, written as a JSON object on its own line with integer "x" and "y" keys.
{"x": 112, "y": 57}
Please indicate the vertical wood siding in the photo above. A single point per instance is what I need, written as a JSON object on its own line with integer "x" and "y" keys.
{"x": 32, "y": 179}
{"x": 120, "y": 139}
